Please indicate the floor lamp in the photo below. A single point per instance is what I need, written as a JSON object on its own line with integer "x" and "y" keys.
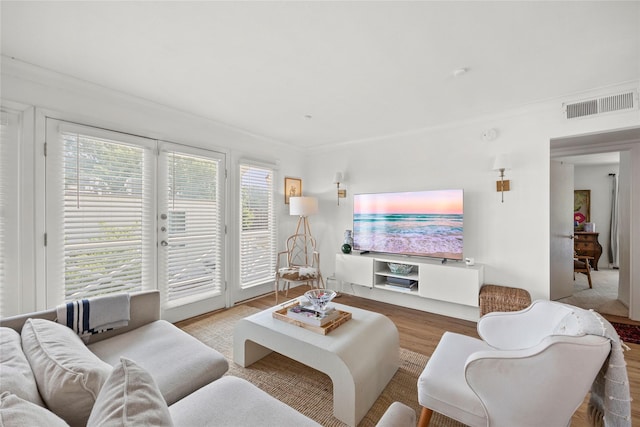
{"x": 303, "y": 207}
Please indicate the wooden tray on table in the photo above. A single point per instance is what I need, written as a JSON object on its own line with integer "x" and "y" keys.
{"x": 343, "y": 316}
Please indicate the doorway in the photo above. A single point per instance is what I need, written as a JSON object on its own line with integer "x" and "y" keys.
{"x": 595, "y": 154}
{"x": 594, "y": 177}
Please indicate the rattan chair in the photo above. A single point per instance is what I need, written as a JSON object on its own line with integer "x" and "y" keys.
{"x": 299, "y": 264}
{"x": 503, "y": 298}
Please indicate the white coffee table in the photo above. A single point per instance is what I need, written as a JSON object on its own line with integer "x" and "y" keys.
{"x": 360, "y": 356}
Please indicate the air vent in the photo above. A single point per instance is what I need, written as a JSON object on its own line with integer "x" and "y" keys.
{"x": 606, "y": 104}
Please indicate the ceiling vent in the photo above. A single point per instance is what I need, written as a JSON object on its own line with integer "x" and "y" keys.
{"x": 605, "y": 104}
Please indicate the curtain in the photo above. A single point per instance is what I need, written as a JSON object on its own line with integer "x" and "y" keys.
{"x": 613, "y": 227}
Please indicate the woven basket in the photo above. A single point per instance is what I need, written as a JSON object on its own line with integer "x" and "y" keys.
{"x": 503, "y": 298}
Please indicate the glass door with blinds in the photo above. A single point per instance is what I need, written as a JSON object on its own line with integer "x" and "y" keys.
{"x": 190, "y": 229}
{"x": 125, "y": 213}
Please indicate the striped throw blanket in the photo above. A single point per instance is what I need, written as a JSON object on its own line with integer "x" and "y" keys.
{"x": 94, "y": 315}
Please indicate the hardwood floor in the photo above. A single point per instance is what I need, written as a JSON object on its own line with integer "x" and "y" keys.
{"x": 421, "y": 331}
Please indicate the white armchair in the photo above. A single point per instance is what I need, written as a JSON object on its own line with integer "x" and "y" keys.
{"x": 531, "y": 368}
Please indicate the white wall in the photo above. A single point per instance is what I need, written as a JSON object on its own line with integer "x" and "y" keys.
{"x": 512, "y": 238}
{"x": 625, "y": 186}
{"x": 597, "y": 179}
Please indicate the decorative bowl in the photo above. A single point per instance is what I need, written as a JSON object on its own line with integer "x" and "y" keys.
{"x": 320, "y": 298}
{"x": 403, "y": 269}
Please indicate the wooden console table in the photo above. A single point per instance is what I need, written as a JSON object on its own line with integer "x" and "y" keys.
{"x": 586, "y": 244}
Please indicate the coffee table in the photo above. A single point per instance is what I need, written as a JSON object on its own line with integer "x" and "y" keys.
{"x": 360, "y": 356}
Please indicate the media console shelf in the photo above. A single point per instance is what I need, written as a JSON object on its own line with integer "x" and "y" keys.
{"x": 453, "y": 282}
{"x": 382, "y": 274}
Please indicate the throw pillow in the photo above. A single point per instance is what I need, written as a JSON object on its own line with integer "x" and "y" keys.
{"x": 15, "y": 371}
{"x": 68, "y": 374}
{"x": 130, "y": 397}
{"x": 15, "y": 411}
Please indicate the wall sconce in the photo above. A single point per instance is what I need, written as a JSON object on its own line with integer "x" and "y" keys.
{"x": 342, "y": 194}
{"x": 501, "y": 164}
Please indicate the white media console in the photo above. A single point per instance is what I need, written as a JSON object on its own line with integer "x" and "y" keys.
{"x": 451, "y": 282}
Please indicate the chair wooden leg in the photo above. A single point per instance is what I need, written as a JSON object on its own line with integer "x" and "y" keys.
{"x": 425, "y": 417}
{"x": 589, "y": 278}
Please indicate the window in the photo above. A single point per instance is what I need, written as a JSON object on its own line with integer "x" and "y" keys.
{"x": 9, "y": 218}
{"x": 99, "y": 211}
{"x": 257, "y": 225}
{"x": 126, "y": 213}
{"x": 191, "y": 235}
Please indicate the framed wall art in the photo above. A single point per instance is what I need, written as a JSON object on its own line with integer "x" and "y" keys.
{"x": 581, "y": 208}
{"x": 292, "y": 188}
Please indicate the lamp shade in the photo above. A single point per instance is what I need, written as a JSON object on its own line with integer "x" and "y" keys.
{"x": 337, "y": 178}
{"x": 303, "y": 206}
{"x": 501, "y": 162}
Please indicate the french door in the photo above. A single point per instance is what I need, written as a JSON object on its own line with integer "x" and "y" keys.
{"x": 190, "y": 230}
{"x": 125, "y": 213}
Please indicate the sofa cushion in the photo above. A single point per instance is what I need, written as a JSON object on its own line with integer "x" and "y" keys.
{"x": 178, "y": 362}
{"x": 129, "y": 397}
{"x": 397, "y": 415}
{"x": 15, "y": 371}
{"x": 69, "y": 376}
{"x": 15, "y": 411}
{"x": 237, "y": 403}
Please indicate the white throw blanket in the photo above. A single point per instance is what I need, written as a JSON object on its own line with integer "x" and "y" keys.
{"x": 610, "y": 394}
{"x": 95, "y": 315}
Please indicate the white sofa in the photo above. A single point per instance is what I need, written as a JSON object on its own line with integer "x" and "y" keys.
{"x": 147, "y": 373}
{"x": 160, "y": 360}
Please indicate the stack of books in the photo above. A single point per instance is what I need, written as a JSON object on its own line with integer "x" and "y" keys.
{"x": 311, "y": 316}
{"x": 401, "y": 284}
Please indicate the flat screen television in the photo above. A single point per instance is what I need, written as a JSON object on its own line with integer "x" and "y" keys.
{"x": 416, "y": 223}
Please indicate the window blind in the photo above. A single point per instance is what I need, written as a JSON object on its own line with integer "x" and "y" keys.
{"x": 257, "y": 225}
{"x": 105, "y": 202}
{"x": 10, "y": 287}
{"x": 4, "y": 142}
{"x": 192, "y": 257}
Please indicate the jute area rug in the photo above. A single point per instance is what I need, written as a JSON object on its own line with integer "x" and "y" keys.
{"x": 306, "y": 389}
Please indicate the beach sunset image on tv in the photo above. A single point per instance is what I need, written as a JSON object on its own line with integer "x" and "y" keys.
{"x": 421, "y": 223}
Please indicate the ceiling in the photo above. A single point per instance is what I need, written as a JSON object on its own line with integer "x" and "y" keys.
{"x": 326, "y": 72}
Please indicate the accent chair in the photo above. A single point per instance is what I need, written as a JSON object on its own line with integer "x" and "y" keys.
{"x": 299, "y": 264}
{"x": 528, "y": 369}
